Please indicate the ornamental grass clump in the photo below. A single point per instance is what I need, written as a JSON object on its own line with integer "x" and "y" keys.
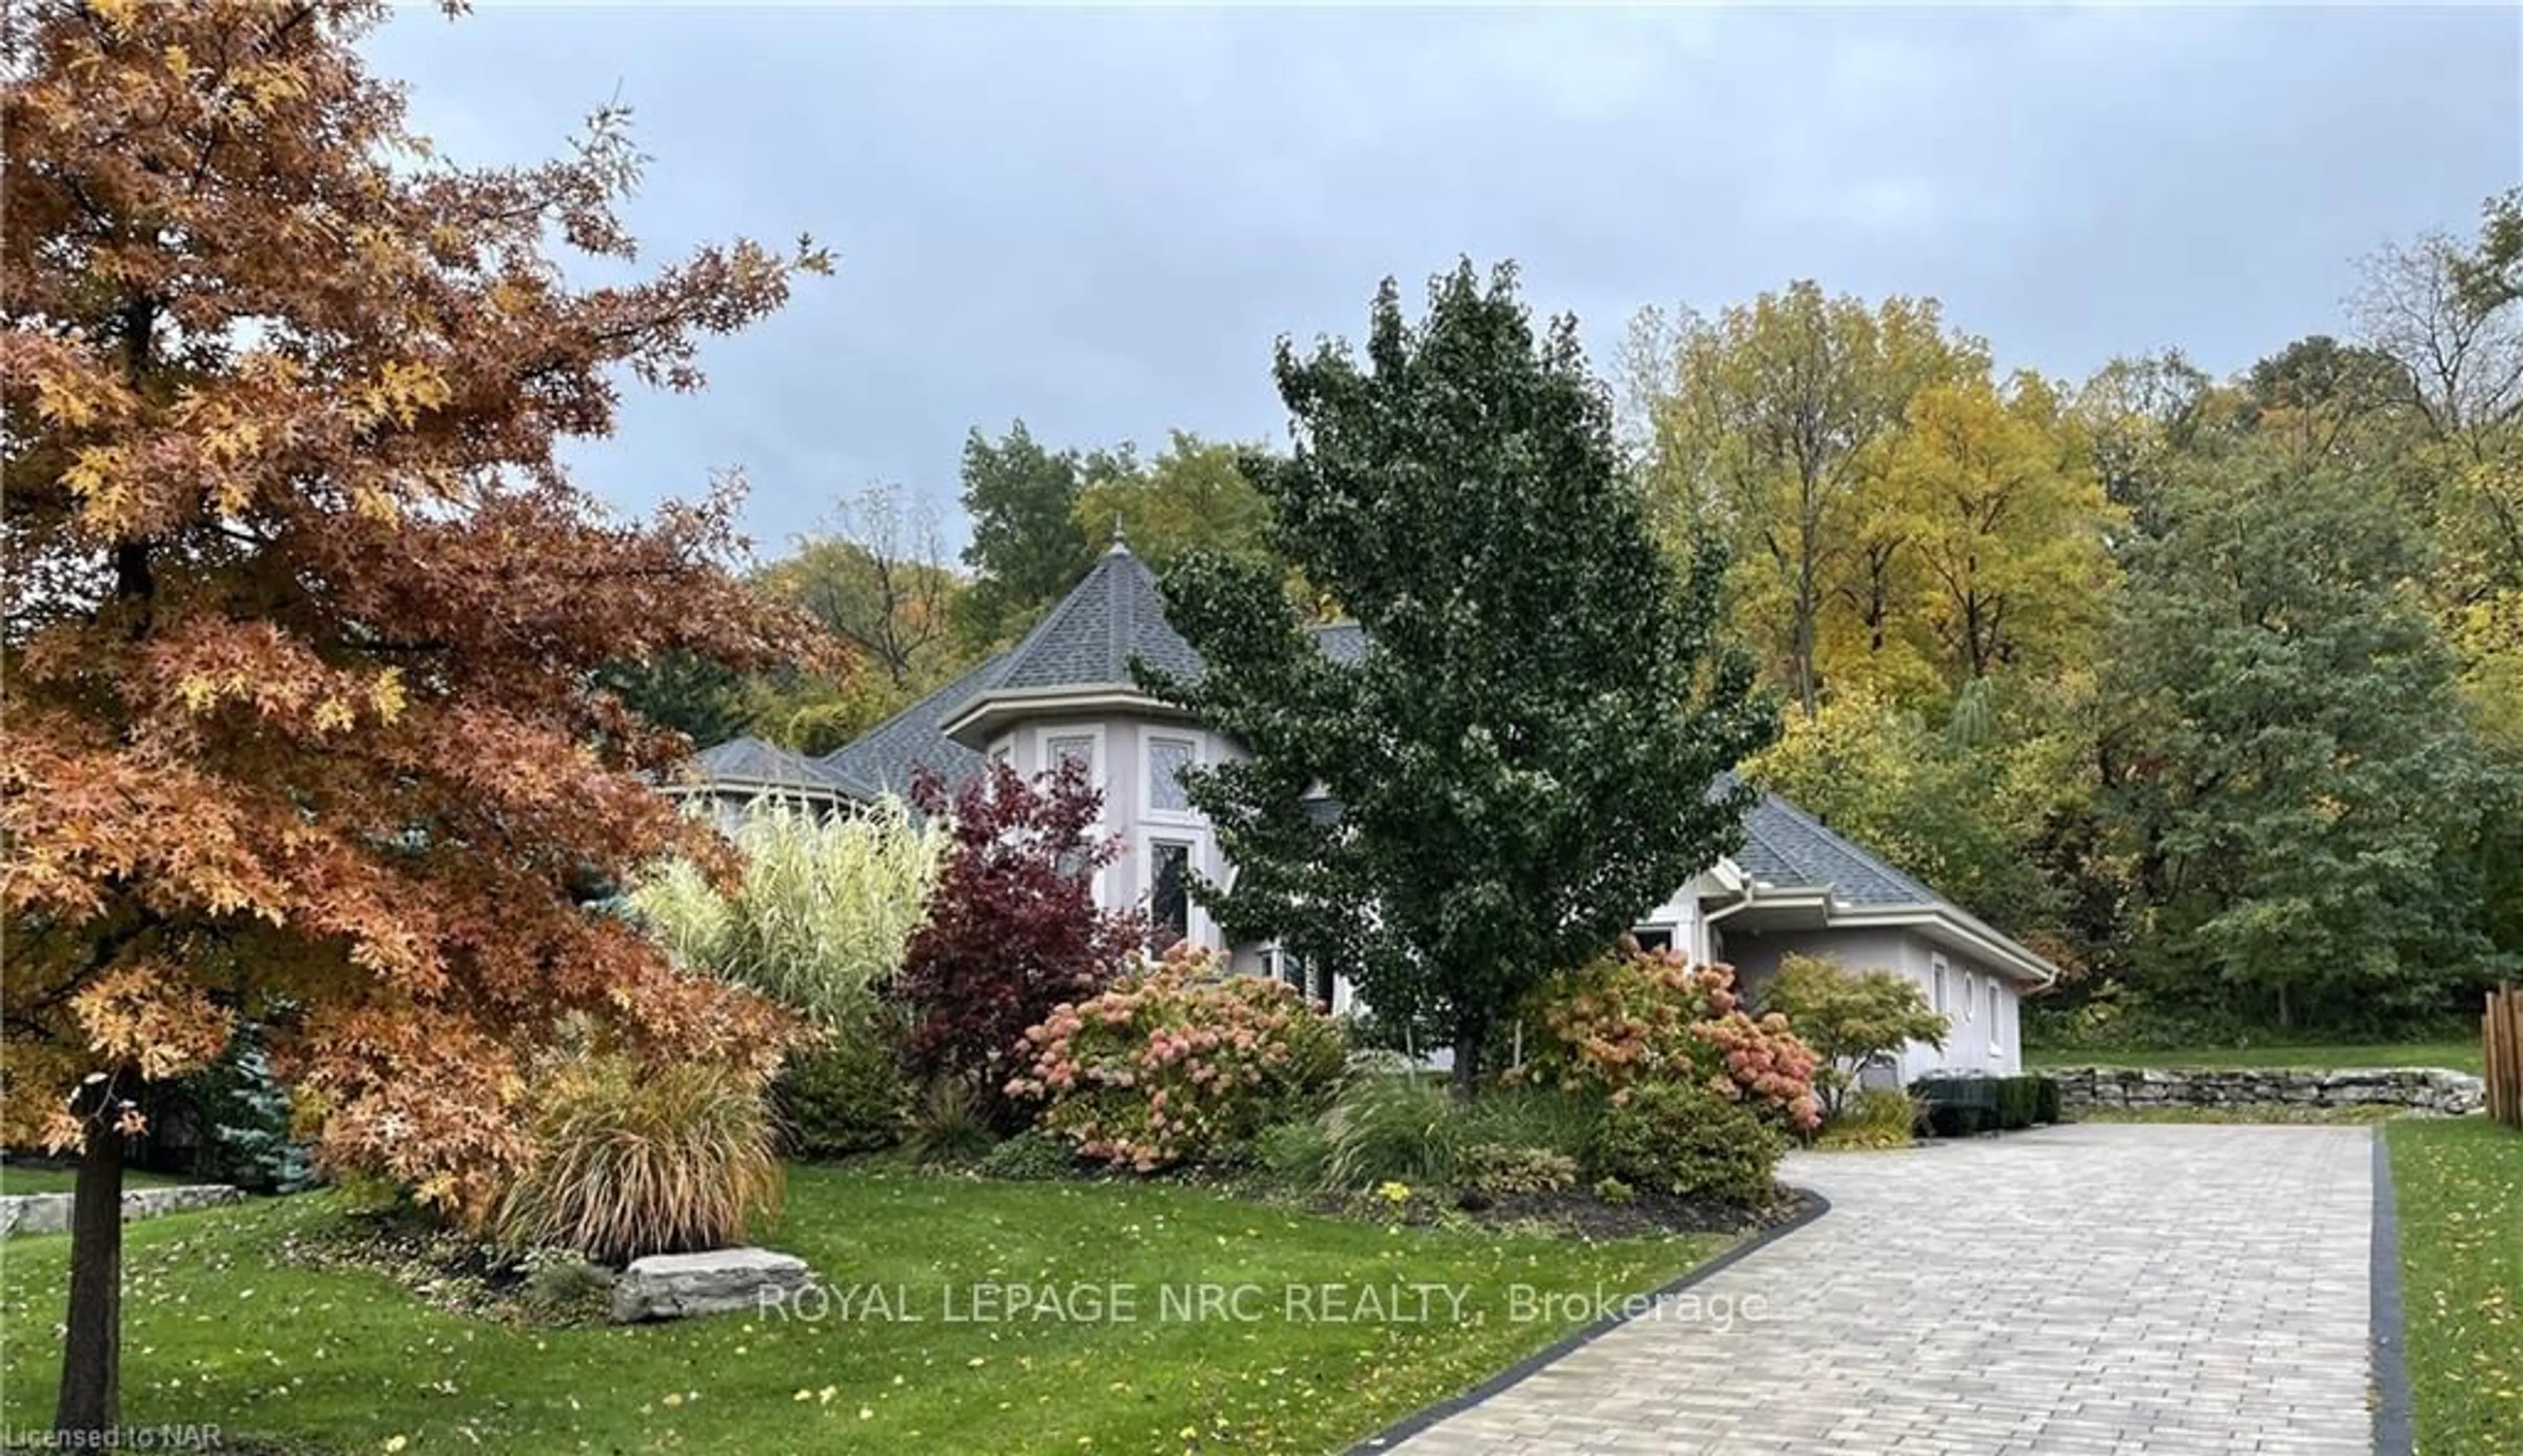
{"x": 819, "y": 921}
{"x": 1394, "y": 1126}
{"x": 1875, "y": 1118}
{"x": 1179, "y": 1063}
{"x": 1638, "y": 1018}
{"x": 823, "y": 914}
{"x": 632, "y": 1158}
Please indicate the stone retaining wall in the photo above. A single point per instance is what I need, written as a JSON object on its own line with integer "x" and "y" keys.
{"x": 50, "y": 1213}
{"x": 2419, "y": 1089}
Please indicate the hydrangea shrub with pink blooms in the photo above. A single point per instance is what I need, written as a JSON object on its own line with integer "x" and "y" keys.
{"x": 1178, "y": 1063}
{"x": 1641, "y": 1017}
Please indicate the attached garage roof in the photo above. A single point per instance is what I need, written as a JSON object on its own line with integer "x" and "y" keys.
{"x": 1785, "y": 846}
{"x": 1795, "y": 866}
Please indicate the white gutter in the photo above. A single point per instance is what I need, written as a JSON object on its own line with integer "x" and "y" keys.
{"x": 1706, "y": 948}
{"x": 1963, "y": 927}
{"x": 1955, "y": 921}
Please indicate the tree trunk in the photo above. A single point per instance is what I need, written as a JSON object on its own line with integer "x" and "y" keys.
{"x": 1808, "y": 694}
{"x": 1469, "y": 1032}
{"x": 91, "y": 1400}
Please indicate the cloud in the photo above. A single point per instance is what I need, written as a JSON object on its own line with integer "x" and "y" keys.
{"x": 1098, "y": 220}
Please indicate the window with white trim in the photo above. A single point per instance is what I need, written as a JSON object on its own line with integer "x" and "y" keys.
{"x": 1168, "y": 893}
{"x": 1937, "y": 977}
{"x": 1168, "y": 759}
{"x": 1971, "y": 997}
{"x": 1077, "y": 748}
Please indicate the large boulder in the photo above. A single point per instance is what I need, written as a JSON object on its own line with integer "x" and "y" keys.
{"x": 720, "y": 1280}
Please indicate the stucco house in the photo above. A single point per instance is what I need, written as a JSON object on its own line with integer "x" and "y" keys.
{"x": 1065, "y": 692}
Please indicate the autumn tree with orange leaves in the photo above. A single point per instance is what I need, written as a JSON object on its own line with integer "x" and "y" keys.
{"x": 303, "y": 614}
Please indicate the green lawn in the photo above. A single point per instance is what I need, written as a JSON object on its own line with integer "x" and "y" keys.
{"x": 17, "y": 1178}
{"x": 2464, "y": 1056}
{"x": 219, "y": 1329}
{"x": 2458, "y": 1186}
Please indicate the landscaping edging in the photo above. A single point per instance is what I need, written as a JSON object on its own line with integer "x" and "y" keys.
{"x": 50, "y": 1213}
{"x": 2418, "y": 1089}
{"x": 1815, "y": 1206}
{"x": 2395, "y": 1403}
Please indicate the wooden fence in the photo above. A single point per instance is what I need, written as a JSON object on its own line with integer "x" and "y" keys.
{"x": 2502, "y": 1028}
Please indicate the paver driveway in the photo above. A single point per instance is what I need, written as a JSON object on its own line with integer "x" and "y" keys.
{"x": 2069, "y": 1292}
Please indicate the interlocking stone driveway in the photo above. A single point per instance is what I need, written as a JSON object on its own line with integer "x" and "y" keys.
{"x": 2071, "y": 1292}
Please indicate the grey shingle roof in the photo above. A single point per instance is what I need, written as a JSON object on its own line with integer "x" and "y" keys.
{"x": 1088, "y": 639}
{"x": 752, "y": 761}
{"x": 1786, "y": 847}
{"x": 1341, "y": 641}
{"x": 887, "y": 755}
{"x": 1114, "y": 614}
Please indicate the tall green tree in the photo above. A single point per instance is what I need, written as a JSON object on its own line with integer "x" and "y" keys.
{"x": 2140, "y": 413}
{"x": 2309, "y": 802}
{"x": 1193, "y": 494}
{"x": 2328, "y": 401}
{"x": 2492, "y": 276}
{"x": 702, "y": 699}
{"x": 1026, "y": 549}
{"x": 1520, "y": 764}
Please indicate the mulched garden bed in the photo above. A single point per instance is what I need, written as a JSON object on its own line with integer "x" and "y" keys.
{"x": 1575, "y": 1214}
{"x": 444, "y": 1268}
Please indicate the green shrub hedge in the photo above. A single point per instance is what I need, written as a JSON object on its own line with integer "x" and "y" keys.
{"x": 846, "y": 1093}
{"x": 1962, "y": 1107}
{"x": 1683, "y": 1138}
{"x": 1030, "y": 1157}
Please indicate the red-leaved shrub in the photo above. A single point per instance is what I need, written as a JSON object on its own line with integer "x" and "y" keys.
{"x": 1013, "y": 927}
{"x": 1180, "y": 1064}
{"x": 1641, "y": 1017}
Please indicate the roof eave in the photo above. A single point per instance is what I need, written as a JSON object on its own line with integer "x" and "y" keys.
{"x": 1816, "y": 907}
{"x": 1959, "y": 925}
{"x": 766, "y": 787}
{"x": 974, "y": 725}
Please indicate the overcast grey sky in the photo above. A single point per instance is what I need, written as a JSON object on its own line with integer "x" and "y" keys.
{"x": 1097, "y": 221}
